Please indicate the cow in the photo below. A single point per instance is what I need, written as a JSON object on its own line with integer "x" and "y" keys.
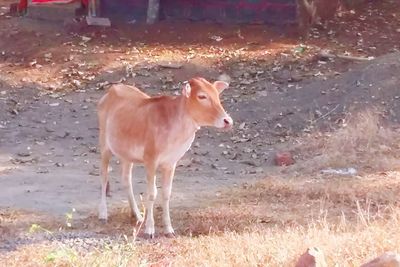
{"x": 155, "y": 132}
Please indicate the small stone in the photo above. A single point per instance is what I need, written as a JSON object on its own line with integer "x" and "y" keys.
{"x": 76, "y": 83}
{"x": 387, "y": 259}
{"x": 93, "y": 149}
{"x": 214, "y": 166}
{"x": 313, "y": 257}
{"x": 94, "y": 173}
{"x": 86, "y": 39}
{"x": 247, "y": 150}
{"x": 170, "y": 65}
{"x": 259, "y": 170}
{"x": 284, "y": 159}
{"x": 24, "y": 154}
{"x": 250, "y": 163}
{"x": 42, "y": 170}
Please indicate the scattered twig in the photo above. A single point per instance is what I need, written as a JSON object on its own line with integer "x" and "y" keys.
{"x": 327, "y": 114}
{"x": 170, "y": 65}
{"x": 327, "y": 54}
{"x": 137, "y": 229}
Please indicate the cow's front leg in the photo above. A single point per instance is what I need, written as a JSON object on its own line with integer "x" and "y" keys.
{"x": 150, "y": 198}
{"x": 167, "y": 177}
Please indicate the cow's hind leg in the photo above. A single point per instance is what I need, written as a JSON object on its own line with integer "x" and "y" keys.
{"x": 127, "y": 179}
{"x": 105, "y": 160}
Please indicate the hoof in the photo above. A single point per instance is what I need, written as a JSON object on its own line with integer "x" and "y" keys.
{"x": 148, "y": 236}
{"x": 170, "y": 235}
{"x": 103, "y": 221}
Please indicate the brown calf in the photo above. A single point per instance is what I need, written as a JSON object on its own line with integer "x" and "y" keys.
{"x": 155, "y": 132}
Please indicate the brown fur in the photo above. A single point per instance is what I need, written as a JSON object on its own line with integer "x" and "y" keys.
{"x": 154, "y": 131}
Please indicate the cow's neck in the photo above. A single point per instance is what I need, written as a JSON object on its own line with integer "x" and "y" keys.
{"x": 187, "y": 125}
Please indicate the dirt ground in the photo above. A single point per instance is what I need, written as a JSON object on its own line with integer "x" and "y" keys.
{"x": 53, "y": 73}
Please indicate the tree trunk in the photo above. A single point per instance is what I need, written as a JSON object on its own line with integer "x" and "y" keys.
{"x": 153, "y": 10}
{"x": 94, "y": 8}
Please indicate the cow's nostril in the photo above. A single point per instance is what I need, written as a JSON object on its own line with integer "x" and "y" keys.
{"x": 227, "y": 122}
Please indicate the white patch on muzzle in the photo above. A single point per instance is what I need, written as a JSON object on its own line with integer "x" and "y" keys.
{"x": 224, "y": 122}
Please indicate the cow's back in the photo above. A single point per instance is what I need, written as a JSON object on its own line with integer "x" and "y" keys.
{"x": 119, "y": 100}
{"x": 120, "y": 94}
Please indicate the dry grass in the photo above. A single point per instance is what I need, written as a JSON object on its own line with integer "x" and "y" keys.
{"x": 346, "y": 244}
{"x": 272, "y": 222}
{"x": 266, "y": 224}
{"x": 363, "y": 141}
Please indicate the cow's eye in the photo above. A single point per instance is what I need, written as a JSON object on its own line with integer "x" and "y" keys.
{"x": 202, "y": 97}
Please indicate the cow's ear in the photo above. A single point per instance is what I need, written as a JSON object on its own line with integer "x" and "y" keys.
{"x": 186, "y": 90}
{"x": 221, "y": 86}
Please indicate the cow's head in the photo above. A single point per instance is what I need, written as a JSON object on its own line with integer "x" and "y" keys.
{"x": 204, "y": 104}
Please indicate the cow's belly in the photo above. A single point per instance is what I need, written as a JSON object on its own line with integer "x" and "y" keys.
{"x": 128, "y": 151}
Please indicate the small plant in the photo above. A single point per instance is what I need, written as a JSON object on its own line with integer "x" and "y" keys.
{"x": 62, "y": 254}
{"x": 69, "y": 216}
{"x": 139, "y": 225}
{"x": 300, "y": 49}
{"x": 36, "y": 228}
